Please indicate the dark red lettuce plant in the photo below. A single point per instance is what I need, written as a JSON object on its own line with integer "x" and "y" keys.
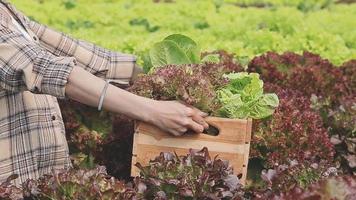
{"x": 285, "y": 177}
{"x": 186, "y": 83}
{"x": 342, "y": 187}
{"x": 331, "y": 89}
{"x": 10, "y": 192}
{"x": 194, "y": 84}
{"x": 293, "y": 145}
{"x": 307, "y": 73}
{"x": 294, "y": 132}
{"x": 96, "y": 137}
{"x": 168, "y": 176}
{"x": 78, "y": 184}
{"x": 195, "y": 176}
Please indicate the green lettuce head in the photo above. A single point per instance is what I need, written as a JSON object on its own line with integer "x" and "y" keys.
{"x": 243, "y": 97}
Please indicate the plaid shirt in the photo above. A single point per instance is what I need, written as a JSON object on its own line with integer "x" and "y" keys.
{"x": 33, "y": 74}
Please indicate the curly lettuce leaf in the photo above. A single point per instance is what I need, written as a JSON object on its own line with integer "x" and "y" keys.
{"x": 243, "y": 97}
{"x": 249, "y": 86}
{"x": 264, "y": 107}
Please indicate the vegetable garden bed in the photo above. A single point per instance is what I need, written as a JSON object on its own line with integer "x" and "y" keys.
{"x": 292, "y": 155}
{"x": 303, "y": 51}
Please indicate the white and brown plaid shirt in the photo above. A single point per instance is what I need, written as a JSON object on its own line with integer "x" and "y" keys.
{"x": 33, "y": 74}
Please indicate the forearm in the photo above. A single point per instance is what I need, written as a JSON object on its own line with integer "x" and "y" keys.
{"x": 86, "y": 88}
{"x": 171, "y": 116}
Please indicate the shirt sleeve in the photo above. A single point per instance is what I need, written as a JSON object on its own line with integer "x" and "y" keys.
{"x": 99, "y": 61}
{"x": 24, "y": 65}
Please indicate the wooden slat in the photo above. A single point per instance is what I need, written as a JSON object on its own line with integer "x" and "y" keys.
{"x": 186, "y": 143}
{"x": 248, "y": 130}
{"x": 236, "y": 160}
{"x": 226, "y": 135}
{"x": 247, "y": 149}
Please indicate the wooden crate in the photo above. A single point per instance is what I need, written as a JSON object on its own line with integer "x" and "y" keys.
{"x": 232, "y": 143}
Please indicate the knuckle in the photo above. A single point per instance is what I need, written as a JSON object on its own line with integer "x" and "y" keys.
{"x": 199, "y": 119}
{"x": 180, "y": 129}
{"x": 175, "y": 133}
{"x": 183, "y": 130}
{"x": 185, "y": 122}
{"x": 179, "y": 133}
{"x": 189, "y": 111}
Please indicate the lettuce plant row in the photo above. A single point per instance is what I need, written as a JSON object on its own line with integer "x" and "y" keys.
{"x": 320, "y": 26}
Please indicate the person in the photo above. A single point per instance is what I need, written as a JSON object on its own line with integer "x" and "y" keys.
{"x": 39, "y": 65}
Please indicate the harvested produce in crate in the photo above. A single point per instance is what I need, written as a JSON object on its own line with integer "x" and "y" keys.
{"x": 219, "y": 88}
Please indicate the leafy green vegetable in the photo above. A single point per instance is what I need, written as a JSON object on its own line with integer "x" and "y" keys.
{"x": 189, "y": 46}
{"x": 211, "y": 58}
{"x": 167, "y": 52}
{"x": 175, "y": 49}
{"x": 243, "y": 97}
{"x": 264, "y": 107}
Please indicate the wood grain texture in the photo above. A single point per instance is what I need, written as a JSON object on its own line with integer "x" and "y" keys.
{"x": 232, "y": 143}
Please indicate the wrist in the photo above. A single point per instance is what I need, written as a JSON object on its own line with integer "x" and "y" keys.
{"x": 145, "y": 109}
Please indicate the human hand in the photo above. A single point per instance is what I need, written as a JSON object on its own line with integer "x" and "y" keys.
{"x": 176, "y": 118}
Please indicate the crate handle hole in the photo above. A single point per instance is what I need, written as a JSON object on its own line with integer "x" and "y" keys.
{"x": 212, "y": 130}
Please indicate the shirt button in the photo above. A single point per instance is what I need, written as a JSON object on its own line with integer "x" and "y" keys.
{"x": 36, "y": 90}
{"x": 53, "y": 117}
{"x": 35, "y": 38}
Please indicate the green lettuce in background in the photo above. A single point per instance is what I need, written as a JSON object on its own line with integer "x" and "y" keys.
{"x": 238, "y": 26}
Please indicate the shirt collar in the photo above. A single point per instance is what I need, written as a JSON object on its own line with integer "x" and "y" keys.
{"x": 14, "y": 14}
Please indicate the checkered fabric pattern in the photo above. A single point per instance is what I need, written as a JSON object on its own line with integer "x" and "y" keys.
{"x": 33, "y": 74}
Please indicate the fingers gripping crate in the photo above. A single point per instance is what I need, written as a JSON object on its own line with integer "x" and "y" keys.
{"x": 232, "y": 143}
